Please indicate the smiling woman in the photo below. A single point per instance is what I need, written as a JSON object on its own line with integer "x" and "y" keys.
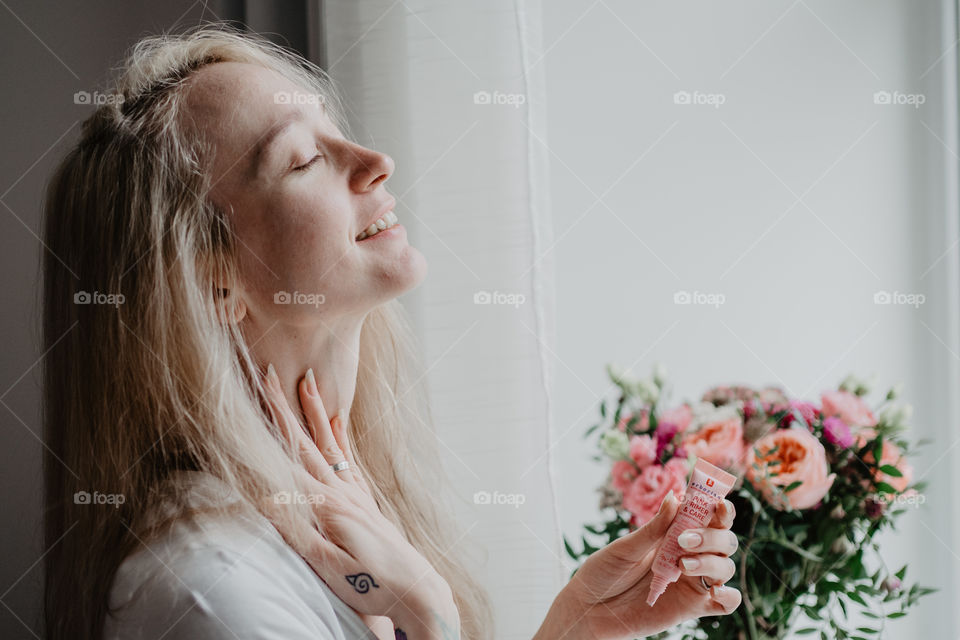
{"x": 215, "y": 247}
{"x": 240, "y": 447}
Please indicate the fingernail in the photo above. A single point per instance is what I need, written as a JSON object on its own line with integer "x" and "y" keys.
{"x": 689, "y": 564}
{"x": 667, "y": 499}
{"x": 311, "y": 383}
{"x": 689, "y": 540}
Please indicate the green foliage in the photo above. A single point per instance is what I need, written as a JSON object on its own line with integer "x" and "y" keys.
{"x": 813, "y": 566}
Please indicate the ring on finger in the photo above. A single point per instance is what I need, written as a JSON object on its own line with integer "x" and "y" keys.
{"x": 703, "y": 583}
{"x": 340, "y": 466}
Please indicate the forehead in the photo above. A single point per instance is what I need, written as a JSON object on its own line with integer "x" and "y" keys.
{"x": 236, "y": 104}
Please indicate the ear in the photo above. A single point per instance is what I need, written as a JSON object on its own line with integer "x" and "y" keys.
{"x": 232, "y": 305}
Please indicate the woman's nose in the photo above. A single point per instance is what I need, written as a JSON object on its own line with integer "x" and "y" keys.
{"x": 372, "y": 168}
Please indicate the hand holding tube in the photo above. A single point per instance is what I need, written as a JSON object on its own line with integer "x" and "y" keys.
{"x": 606, "y": 598}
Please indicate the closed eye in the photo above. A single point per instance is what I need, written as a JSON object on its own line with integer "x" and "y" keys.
{"x": 306, "y": 166}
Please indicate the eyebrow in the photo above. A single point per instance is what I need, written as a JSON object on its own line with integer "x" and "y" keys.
{"x": 274, "y": 132}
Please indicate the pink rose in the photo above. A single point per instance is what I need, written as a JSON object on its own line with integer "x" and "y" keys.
{"x": 801, "y": 457}
{"x": 643, "y": 450}
{"x": 890, "y": 455}
{"x": 680, "y": 417}
{"x": 622, "y": 475}
{"x": 640, "y": 425}
{"x": 648, "y": 490}
{"x": 719, "y": 443}
{"x": 848, "y": 407}
{"x": 837, "y": 432}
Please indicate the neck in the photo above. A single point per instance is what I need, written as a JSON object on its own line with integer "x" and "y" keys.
{"x": 332, "y": 350}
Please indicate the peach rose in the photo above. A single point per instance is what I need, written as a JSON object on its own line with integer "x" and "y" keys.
{"x": 801, "y": 458}
{"x": 648, "y": 490}
{"x": 643, "y": 450}
{"x": 719, "y": 443}
{"x": 848, "y": 407}
{"x": 890, "y": 455}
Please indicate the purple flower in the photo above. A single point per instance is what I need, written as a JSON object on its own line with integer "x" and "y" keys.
{"x": 665, "y": 434}
{"x": 873, "y": 508}
{"x": 837, "y": 432}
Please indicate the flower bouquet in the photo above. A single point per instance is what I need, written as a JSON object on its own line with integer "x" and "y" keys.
{"x": 816, "y": 483}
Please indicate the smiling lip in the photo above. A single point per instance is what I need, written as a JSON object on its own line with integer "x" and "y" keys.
{"x": 391, "y": 203}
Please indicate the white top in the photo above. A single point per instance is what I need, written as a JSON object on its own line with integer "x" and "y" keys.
{"x": 233, "y": 579}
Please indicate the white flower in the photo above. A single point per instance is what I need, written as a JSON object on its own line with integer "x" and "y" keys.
{"x": 659, "y": 375}
{"x": 647, "y": 390}
{"x": 896, "y": 415}
{"x": 706, "y": 413}
{"x": 615, "y": 444}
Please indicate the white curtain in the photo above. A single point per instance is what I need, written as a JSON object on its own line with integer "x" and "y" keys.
{"x": 453, "y": 93}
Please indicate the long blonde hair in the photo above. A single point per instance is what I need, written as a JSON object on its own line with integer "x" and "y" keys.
{"x": 142, "y": 374}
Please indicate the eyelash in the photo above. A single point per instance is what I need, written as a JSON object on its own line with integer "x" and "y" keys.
{"x": 304, "y": 167}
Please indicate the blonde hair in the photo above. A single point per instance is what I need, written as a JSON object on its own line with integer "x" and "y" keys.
{"x": 160, "y": 380}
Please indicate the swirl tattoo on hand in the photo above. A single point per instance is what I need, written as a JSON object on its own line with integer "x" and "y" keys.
{"x": 362, "y": 582}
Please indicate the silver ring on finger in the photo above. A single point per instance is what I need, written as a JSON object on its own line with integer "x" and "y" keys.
{"x": 340, "y": 466}
{"x": 703, "y": 582}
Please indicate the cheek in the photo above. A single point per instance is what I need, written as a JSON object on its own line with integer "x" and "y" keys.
{"x": 297, "y": 242}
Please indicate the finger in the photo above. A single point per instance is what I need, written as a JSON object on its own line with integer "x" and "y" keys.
{"x": 722, "y": 541}
{"x": 339, "y": 427}
{"x": 723, "y": 600}
{"x": 716, "y": 569}
{"x": 634, "y": 546}
{"x": 290, "y": 428}
{"x": 723, "y": 516}
{"x": 320, "y": 424}
{"x": 280, "y": 409}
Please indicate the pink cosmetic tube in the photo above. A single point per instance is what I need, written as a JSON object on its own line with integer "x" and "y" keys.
{"x": 706, "y": 489}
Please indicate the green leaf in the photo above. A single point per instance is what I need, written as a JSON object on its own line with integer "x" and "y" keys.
{"x": 883, "y": 487}
{"x": 891, "y": 470}
{"x": 793, "y": 485}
